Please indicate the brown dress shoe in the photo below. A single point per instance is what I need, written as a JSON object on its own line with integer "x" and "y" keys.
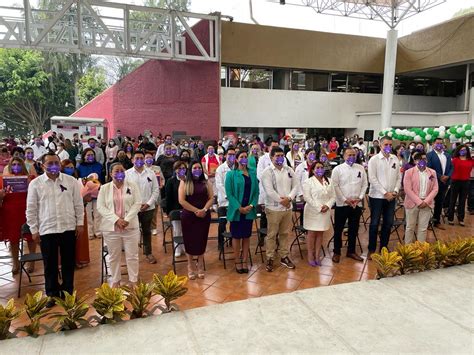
{"x": 354, "y": 256}
{"x": 336, "y": 258}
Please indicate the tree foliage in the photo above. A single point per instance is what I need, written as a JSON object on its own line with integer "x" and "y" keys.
{"x": 463, "y": 12}
{"x": 91, "y": 84}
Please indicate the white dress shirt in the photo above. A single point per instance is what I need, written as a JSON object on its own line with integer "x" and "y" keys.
{"x": 63, "y": 155}
{"x": 278, "y": 183}
{"x": 442, "y": 160}
{"x": 384, "y": 175}
{"x": 361, "y": 147}
{"x": 423, "y": 183}
{"x": 38, "y": 152}
{"x": 302, "y": 175}
{"x": 54, "y": 207}
{"x": 221, "y": 172}
{"x": 350, "y": 182}
{"x": 147, "y": 183}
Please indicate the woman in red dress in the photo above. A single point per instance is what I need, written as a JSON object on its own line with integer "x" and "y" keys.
{"x": 13, "y": 211}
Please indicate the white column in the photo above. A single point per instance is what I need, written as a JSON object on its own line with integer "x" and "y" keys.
{"x": 389, "y": 77}
{"x": 466, "y": 90}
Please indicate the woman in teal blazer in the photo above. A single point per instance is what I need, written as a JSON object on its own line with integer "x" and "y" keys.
{"x": 241, "y": 187}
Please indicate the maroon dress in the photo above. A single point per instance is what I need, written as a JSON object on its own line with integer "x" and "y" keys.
{"x": 195, "y": 229}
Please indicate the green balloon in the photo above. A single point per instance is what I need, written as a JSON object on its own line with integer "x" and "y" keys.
{"x": 431, "y": 131}
{"x": 452, "y": 130}
{"x": 468, "y": 127}
{"x": 458, "y": 135}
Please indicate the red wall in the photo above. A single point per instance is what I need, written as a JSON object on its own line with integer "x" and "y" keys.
{"x": 163, "y": 96}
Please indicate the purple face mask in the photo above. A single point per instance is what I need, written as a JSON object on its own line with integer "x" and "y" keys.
{"x": 181, "y": 172}
{"x": 90, "y": 158}
{"x": 16, "y": 169}
{"x": 149, "y": 161}
{"x": 463, "y": 152}
{"x": 422, "y": 164}
{"x": 119, "y": 176}
{"x": 231, "y": 158}
{"x": 53, "y": 169}
{"x": 168, "y": 151}
{"x": 438, "y": 146}
{"x": 324, "y": 159}
{"x": 387, "y": 149}
{"x": 174, "y": 151}
{"x": 129, "y": 148}
{"x": 139, "y": 163}
{"x": 243, "y": 161}
{"x": 200, "y": 146}
{"x": 254, "y": 151}
{"x": 279, "y": 161}
{"x": 296, "y": 147}
{"x": 311, "y": 157}
{"x": 210, "y": 152}
{"x": 197, "y": 173}
{"x": 350, "y": 160}
{"x": 29, "y": 156}
{"x": 92, "y": 145}
{"x": 320, "y": 172}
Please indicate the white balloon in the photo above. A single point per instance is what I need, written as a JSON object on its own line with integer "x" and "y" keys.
{"x": 459, "y": 130}
{"x": 428, "y": 137}
{"x": 425, "y": 130}
{"x": 413, "y": 134}
{"x": 442, "y": 128}
{"x": 452, "y": 136}
{"x": 436, "y": 130}
{"x": 468, "y": 133}
{"x": 398, "y": 131}
{"x": 390, "y": 134}
{"x": 417, "y": 139}
{"x": 442, "y": 134}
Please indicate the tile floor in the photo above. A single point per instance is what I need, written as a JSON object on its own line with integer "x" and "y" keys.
{"x": 225, "y": 285}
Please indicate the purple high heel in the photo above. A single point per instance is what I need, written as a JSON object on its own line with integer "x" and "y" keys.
{"x": 313, "y": 263}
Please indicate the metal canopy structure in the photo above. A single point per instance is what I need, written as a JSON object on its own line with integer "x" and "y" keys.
{"x": 389, "y": 11}
{"x": 107, "y": 28}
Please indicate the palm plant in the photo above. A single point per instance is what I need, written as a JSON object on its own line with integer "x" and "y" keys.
{"x": 8, "y": 313}
{"x": 170, "y": 287}
{"x": 35, "y": 308}
{"x": 74, "y": 310}
{"x": 109, "y": 303}
{"x": 387, "y": 263}
{"x": 139, "y": 297}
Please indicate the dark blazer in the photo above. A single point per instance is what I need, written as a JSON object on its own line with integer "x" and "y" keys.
{"x": 171, "y": 195}
{"x": 435, "y": 164}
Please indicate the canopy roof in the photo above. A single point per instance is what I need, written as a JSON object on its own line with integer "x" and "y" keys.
{"x": 389, "y": 11}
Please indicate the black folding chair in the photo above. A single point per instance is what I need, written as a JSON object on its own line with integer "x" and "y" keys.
{"x": 165, "y": 223}
{"x": 26, "y": 258}
{"x": 104, "y": 252}
{"x": 177, "y": 239}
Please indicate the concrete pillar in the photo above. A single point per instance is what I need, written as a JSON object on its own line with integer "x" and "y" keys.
{"x": 471, "y": 106}
{"x": 389, "y": 77}
{"x": 466, "y": 90}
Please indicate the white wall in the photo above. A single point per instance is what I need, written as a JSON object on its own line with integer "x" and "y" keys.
{"x": 311, "y": 109}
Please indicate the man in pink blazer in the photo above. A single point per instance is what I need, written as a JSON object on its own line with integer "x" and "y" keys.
{"x": 421, "y": 186}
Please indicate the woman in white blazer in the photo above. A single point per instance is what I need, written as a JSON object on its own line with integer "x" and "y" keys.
{"x": 319, "y": 194}
{"x": 294, "y": 156}
{"x": 118, "y": 203}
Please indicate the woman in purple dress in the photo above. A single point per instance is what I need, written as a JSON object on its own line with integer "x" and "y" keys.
{"x": 195, "y": 195}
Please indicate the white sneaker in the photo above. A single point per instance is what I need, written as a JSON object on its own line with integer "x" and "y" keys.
{"x": 177, "y": 253}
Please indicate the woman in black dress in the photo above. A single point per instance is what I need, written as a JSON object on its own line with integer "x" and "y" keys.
{"x": 241, "y": 187}
{"x": 196, "y": 197}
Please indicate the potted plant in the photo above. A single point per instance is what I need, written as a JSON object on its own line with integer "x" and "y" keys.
{"x": 170, "y": 287}
{"x": 410, "y": 258}
{"x": 427, "y": 255}
{"x": 74, "y": 310}
{"x": 109, "y": 303}
{"x": 387, "y": 263}
{"x": 35, "y": 308}
{"x": 8, "y": 313}
{"x": 139, "y": 297}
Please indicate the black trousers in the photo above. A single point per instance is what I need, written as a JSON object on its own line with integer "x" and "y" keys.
{"x": 50, "y": 244}
{"x": 145, "y": 219}
{"x": 439, "y": 202}
{"x": 459, "y": 190}
{"x": 470, "y": 201}
{"x": 341, "y": 215}
{"x": 221, "y": 227}
{"x": 380, "y": 207}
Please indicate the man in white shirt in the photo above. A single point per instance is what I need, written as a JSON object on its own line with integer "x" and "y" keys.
{"x": 99, "y": 154}
{"x": 61, "y": 152}
{"x": 146, "y": 180}
{"x": 55, "y": 215}
{"x": 385, "y": 182}
{"x": 161, "y": 148}
{"x": 350, "y": 184}
{"x": 38, "y": 148}
{"x": 222, "y": 201}
{"x": 361, "y": 146}
{"x": 281, "y": 187}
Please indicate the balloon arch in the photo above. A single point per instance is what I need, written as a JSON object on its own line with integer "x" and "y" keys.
{"x": 424, "y": 135}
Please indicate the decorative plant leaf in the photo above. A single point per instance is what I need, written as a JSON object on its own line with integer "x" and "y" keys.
{"x": 74, "y": 308}
{"x": 410, "y": 258}
{"x": 170, "y": 287}
{"x": 35, "y": 308}
{"x": 386, "y": 263}
{"x": 139, "y": 297}
{"x": 8, "y": 313}
{"x": 109, "y": 303}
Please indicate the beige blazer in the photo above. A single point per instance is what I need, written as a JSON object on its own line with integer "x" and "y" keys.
{"x": 105, "y": 206}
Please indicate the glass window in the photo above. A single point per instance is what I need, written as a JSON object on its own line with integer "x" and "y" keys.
{"x": 310, "y": 81}
{"x": 369, "y": 84}
{"x": 234, "y": 77}
{"x": 224, "y": 76}
{"x": 281, "y": 79}
{"x": 256, "y": 78}
{"x": 338, "y": 82}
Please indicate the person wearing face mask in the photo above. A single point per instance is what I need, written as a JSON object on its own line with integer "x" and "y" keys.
{"x": 30, "y": 162}
{"x": 146, "y": 181}
{"x": 61, "y": 152}
{"x": 462, "y": 168}
{"x": 199, "y": 151}
{"x": 196, "y": 196}
{"x": 185, "y": 156}
{"x": 55, "y": 215}
{"x": 222, "y": 201}
{"x": 323, "y": 158}
{"x": 162, "y": 147}
{"x": 254, "y": 156}
{"x": 38, "y": 148}
{"x": 302, "y": 171}
{"x": 147, "y": 146}
{"x": 111, "y": 151}
{"x": 172, "y": 201}
{"x": 281, "y": 187}
{"x": 166, "y": 162}
{"x": 241, "y": 189}
{"x": 350, "y": 185}
{"x": 119, "y": 140}
{"x": 128, "y": 148}
{"x": 210, "y": 163}
{"x": 385, "y": 182}
{"x": 440, "y": 161}
{"x": 375, "y": 149}
{"x": 13, "y": 212}
{"x": 99, "y": 154}
{"x": 421, "y": 186}
{"x": 318, "y": 192}
{"x": 294, "y": 157}
{"x": 361, "y": 146}
{"x": 119, "y": 202}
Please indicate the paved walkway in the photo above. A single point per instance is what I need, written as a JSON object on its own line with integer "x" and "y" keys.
{"x": 430, "y": 312}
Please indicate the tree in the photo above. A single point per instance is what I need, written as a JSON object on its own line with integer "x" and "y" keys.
{"x": 116, "y": 68}
{"x": 91, "y": 84}
{"x": 463, "y": 12}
